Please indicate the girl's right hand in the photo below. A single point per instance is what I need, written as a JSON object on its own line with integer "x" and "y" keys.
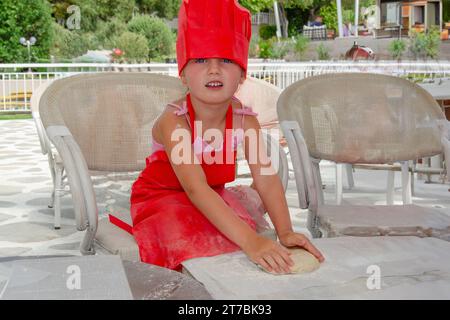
{"x": 270, "y": 255}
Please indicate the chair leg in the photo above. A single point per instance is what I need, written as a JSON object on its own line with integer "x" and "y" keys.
{"x": 52, "y": 198}
{"x": 406, "y": 183}
{"x": 51, "y": 165}
{"x": 413, "y": 169}
{"x": 339, "y": 183}
{"x": 59, "y": 191}
{"x": 390, "y": 188}
{"x": 349, "y": 171}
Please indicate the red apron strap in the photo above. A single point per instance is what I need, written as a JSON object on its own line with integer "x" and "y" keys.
{"x": 121, "y": 224}
{"x": 228, "y": 122}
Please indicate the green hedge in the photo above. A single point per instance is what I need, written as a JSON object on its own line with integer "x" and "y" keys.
{"x": 161, "y": 40}
{"x": 266, "y": 32}
{"x": 24, "y": 18}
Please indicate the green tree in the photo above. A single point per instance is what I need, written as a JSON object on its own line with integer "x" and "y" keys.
{"x": 24, "y": 18}
{"x": 446, "y": 10}
{"x": 397, "y": 48}
{"x": 69, "y": 44}
{"x": 134, "y": 47}
{"x": 256, "y": 5}
{"x": 108, "y": 31}
{"x": 161, "y": 40}
{"x": 162, "y": 8}
{"x": 329, "y": 14}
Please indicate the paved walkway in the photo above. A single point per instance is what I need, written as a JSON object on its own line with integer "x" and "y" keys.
{"x": 26, "y": 223}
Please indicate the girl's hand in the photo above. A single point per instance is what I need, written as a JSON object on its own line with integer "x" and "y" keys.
{"x": 269, "y": 254}
{"x": 292, "y": 239}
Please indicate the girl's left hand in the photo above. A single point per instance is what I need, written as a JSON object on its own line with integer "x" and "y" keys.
{"x": 293, "y": 239}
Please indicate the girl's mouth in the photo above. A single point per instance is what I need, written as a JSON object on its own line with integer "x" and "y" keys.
{"x": 214, "y": 85}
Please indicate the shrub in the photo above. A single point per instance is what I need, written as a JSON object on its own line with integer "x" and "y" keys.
{"x": 134, "y": 47}
{"x": 267, "y": 32}
{"x": 329, "y": 14}
{"x": 265, "y": 49}
{"x": 323, "y": 52}
{"x": 417, "y": 44}
{"x": 423, "y": 45}
{"x": 280, "y": 49}
{"x": 160, "y": 39}
{"x": 397, "y": 48}
{"x": 433, "y": 42}
{"x": 108, "y": 31}
{"x": 68, "y": 43}
{"x": 301, "y": 46}
{"x": 253, "y": 50}
{"x": 24, "y": 19}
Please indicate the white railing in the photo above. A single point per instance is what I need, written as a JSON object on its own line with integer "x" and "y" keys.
{"x": 263, "y": 18}
{"x": 17, "y": 82}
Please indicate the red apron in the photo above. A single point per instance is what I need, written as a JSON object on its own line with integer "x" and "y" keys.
{"x": 167, "y": 227}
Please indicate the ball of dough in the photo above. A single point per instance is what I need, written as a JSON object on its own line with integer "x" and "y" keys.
{"x": 304, "y": 262}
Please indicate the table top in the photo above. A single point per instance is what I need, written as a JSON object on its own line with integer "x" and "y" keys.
{"x": 440, "y": 89}
{"x": 43, "y": 277}
{"x": 397, "y": 267}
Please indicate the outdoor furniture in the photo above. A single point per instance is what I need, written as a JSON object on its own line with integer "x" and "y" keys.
{"x": 315, "y": 32}
{"x": 262, "y": 97}
{"x": 54, "y": 160}
{"x": 102, "y": 123}
{"x": 101, "y": 277}
{"x": 361, "y": 118}
{"x": 354, "y": 268}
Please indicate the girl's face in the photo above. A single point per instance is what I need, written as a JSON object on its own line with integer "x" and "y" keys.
{"x": 212, "y": 80}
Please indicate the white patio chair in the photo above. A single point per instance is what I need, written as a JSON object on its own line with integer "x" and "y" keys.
{"x": 54, "y": 160}
{"x": 102, "y": 122}
{"x": 361, "y": 118}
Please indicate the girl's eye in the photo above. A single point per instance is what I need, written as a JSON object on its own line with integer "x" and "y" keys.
{"x": 200, "y": 60}
{"x": 227, "y": 61}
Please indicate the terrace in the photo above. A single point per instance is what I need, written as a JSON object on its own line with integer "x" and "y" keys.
{"x": 26, "y": 221}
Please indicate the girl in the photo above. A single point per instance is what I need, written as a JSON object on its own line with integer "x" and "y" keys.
{"x": 181, "y": 210}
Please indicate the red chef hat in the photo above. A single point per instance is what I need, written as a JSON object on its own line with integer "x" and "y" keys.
{"x": 213, "y": 29}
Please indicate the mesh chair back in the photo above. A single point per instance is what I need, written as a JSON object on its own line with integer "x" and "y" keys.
{"x": 110, "y": 114}
{"x": 262, "y": 97}
{"x": 363, "y": 118}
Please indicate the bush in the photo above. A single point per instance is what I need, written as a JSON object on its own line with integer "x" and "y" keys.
{"x": 134, "y": 47}
{"x": 329, "y": 14}
{"x": 280, "y": 49}
{"x": 433, "y": 42}
{"x": 253, "y": 50}
{"x": 301, "y": 46}
{"x": 68, "y": 44}
{"x": 323, "y": 52}
{"x": 397, "y": 48}
{"x": 24, "y": 19}
{"x": 160, "y": 39}
{"x": 108, "y": 31}
{"x": 423, "y": 45}
{"x": 265, "y": 49}
{"x": 267, "y": 32}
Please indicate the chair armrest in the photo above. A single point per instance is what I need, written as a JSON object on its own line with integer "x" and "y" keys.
{"x": 279, "y": 163}
{"x": 289, "y": 128}
{"x": 82, "y": 190}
